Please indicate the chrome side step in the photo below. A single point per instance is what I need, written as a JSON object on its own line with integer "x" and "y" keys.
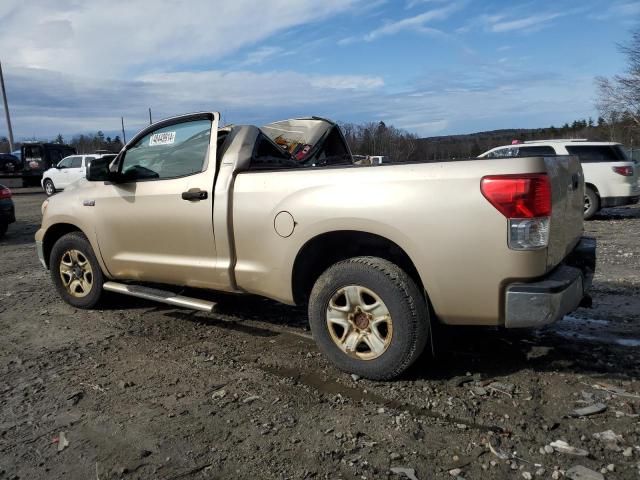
{"x": 161, "y": 296}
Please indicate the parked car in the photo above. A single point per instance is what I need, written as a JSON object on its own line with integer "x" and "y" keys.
{"x": 68, "y": 170}
{"x": 9, "y": 164}
{"x": 611, "y": 178}
{"x": 7, "y": 210}
{"x": 377, "y": 253}
{"x": 39, "y": 157}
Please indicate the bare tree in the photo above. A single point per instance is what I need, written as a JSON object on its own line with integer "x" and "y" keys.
{"x": 619, "y": 96}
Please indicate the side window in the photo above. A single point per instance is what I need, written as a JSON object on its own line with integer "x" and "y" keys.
{"x": 32, "y": 152}
{"x": 66, "y": 162}
{"x": 504, "y": 153}
{"x": 536, "y": 150}
{"x": 596, "y": 153}
{"x": 267, "y": 155}
{"x": 174, "y": 151}
{"x": 76, "y": 162}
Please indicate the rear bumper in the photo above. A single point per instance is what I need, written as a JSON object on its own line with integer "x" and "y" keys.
{"x": 559, "y": 293}
{"x": 606, "y": 202}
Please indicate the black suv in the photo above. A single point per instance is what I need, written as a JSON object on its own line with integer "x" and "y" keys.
{"x": 38, "y": 157}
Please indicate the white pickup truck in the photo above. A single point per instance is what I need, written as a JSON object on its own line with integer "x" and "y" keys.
{"x": 377, "y": 252}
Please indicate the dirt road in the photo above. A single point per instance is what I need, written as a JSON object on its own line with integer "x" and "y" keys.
{"x": 142, "y": 390}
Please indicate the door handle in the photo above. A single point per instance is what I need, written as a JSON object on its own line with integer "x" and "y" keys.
{"x": 194, "y": 195}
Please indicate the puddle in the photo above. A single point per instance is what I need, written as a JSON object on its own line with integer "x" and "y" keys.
{"x": 628, "y": 342}
{"x": 331, "y": 387}
{"x": 583, "y": 321}
{"x": 593, "y": 330}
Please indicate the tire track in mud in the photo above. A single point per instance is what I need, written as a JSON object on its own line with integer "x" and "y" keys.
{"x": 330, "y": 387}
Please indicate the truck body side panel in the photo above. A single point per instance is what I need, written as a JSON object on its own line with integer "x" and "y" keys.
{"x": 434, "y": 211}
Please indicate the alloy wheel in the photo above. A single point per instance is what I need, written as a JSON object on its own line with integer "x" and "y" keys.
{"x": 76, "y": 273}
{"x": 359, "y": 322}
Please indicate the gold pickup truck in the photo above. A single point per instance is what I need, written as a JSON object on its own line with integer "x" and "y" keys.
{"x": 377, "y": 252}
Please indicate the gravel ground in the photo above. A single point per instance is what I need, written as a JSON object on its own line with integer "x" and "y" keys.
{"x": 140, "y": 390}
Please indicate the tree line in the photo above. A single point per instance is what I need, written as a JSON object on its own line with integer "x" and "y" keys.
{"x": 379, "y": 139}
{"x": 83, "y": 143}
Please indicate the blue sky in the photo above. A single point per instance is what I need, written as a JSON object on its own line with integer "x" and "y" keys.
{"x": 433, "y": 67}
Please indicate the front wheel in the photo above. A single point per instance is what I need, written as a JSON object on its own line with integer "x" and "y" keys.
{"x": 75, "y": 271}
{"x": 49, "y": 188}
{"x": 369, "y": 317}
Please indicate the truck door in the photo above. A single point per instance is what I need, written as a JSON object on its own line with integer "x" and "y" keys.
{"x": 155, "y": 223}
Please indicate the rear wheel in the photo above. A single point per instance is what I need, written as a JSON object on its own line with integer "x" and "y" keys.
{"x": 369, "y": 317}
{"x": 49, "y": 188}
{"x": 591, "y": 203}
{"x": 75, "y": 271}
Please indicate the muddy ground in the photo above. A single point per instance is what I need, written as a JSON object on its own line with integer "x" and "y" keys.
{"x": 142, "y": 390}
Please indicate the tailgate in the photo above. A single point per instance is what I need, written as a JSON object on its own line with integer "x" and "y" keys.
{"x": 567, "y": 197}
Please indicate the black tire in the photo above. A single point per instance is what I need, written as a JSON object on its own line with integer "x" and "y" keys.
{"x": 49, "y": 187}
{"x": 76, "y": 241}
{"x": 591, "y": 203}
{"x": 403, "y": 300}
{"x": 3, "y": 228}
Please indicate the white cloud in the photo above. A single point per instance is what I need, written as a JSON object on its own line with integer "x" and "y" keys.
{"x": 347, "y": 82}
{"x": 415, "y": 23}
{"x": 452, "y": 100}
{"x": 259, "y": 56}
{"x": 624, "y": 11}
{"x": 525, "y": 23}
{"x": 627, "y": 8}
{"x": 78, "y": 66}
{"x": 106, "y": 36}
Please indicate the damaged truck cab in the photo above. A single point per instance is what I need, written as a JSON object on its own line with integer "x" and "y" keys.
{"x": 377, "y": 252}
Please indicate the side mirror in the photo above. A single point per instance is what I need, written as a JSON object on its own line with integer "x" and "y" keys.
{"x": 98, "y": 170}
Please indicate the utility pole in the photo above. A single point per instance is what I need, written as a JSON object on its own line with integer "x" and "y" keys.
{"x": 150, "y": 122}
{"x": 6, "y": 110}
{"x": 124, "y": 137}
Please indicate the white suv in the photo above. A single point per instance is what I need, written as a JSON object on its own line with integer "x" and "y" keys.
{"x": 610, "y": 177}
{"x": 67, "y": 171}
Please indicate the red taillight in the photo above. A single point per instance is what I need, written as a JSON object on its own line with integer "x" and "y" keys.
{"x": 624, "y": 171}
{"x": 519, "y": 196}
{"x": 5, "y": 193}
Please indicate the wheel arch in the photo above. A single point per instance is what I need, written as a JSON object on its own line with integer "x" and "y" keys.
{"x": 326, "y": 249}
{"x": 53, "y": 234}
{"x": 592, "y": 187}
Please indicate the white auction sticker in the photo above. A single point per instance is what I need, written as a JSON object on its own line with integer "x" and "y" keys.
{"x": 164, "y": 138}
